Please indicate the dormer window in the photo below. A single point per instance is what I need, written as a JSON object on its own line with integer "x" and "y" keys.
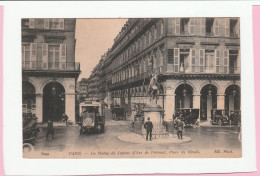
{"x": 184, "y": 26}
{"x": 233, "y": 28}
{"x": 209, "y": 26}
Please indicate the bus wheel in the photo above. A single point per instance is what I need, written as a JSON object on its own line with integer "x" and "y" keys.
{"x": 27, "y": 148}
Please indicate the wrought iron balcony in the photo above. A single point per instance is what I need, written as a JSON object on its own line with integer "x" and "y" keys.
{"x": 177, "y": 70}
{"x": 51, "y": 66}
{"x": 202, "y": 69}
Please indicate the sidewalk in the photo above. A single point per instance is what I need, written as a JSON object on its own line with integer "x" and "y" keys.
{"x": 138, "y": 139}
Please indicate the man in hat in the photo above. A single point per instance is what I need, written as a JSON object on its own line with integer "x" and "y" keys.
{"x": 65, "y": 118}
{"x": 50, "y": 130}
{"x": 149, "y": 128}
{"x": 179, "y": 127}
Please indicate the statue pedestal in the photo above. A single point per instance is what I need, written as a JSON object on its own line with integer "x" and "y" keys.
{"x": 155, "y": 112}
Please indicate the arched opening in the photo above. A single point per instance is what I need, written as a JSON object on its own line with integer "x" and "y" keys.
{"x": 183, "y": 96}
{"x": 208, "y": 101}
{"x": 29, "y": 98}
{"x": 232, "y": 97}
{"x": 53, "y": 102}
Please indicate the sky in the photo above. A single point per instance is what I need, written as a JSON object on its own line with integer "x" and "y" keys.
{"x": 93, "y": 38}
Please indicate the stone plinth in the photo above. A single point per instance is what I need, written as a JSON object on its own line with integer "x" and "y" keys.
{"x": 155, "y": 112}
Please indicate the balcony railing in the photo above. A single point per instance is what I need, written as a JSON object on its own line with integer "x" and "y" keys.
{"x": 202, "y": 69}
{"x": 59, "y": 66}
{"x": 171, "y": 69}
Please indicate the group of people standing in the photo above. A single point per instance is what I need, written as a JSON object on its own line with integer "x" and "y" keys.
{"x": 178, "y": 126}
{"x": 50, "y": 128}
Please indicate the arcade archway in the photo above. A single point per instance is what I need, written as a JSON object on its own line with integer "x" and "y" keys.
{"x": 29, "y": 98}
{"x": 232, "y": 97}
{"x": 183, "y": 96}
{"x": 208, "y": 101}
{"x": 53, "y": 102}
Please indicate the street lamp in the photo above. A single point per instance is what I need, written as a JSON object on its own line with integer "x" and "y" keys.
{"x": 184, "y": 90}
{"x": 210, "y": 89}
{"x": 234, "y": 89}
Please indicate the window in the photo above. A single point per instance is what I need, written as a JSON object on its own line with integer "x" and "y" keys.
{"x": 170, "y": 56}
{"x": 201, "y": 60}
{"x": 31, "y": 23}
{"x": 233, "y": 61}
{"x": 29, "y": 55}
{"x": 209, "y": 60}
{"x": 46, "y": 23}
{"x": 193, "y": 59}
{"x": 184, "y": 59}
{"x": 25, "y": 23}
{"x": 26, "y": 52}
{"x": 192, "y": 26}
{"x": 56, "y": 23}
{"x": 177, "y": 26}
{"x": 209, "y": 26}
{"x": 226, "y": 61}
{"x": 161, "y": 29}
{"x": 53, "y": 56}
{"x": 184, "y": 26}
{"x": 234, "y": 28}
{"x": 217, "y": 55}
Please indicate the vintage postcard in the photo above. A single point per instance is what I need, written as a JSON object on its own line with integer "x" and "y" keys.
{"x": 131, "y": 87}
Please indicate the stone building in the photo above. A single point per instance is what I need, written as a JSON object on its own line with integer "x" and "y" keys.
{"x": 49, "y": 69}
{"x": 82, "y": 89}
{"x": 197, "y": 60}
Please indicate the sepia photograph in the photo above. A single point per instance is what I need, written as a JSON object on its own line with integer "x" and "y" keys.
{"x": 131, "y": 87}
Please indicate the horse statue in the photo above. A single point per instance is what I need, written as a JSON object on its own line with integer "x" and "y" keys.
{"x": 154, "y": 88}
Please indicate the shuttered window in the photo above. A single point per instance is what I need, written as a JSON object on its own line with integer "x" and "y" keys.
{"x": 203, "y": 26}
{"x": 46, "y": 23}
{"x": 216, "y": 27}
{"x": 226, "y": 61}
{"x": 162, "y": 29}
{"x": 61, "y": 23}
{"x": 217, "y": 55}
{"x": 192, "y": 26}
{"x": 170, "y": 56}
{"x": 45, "y": 56}
{"x": 227, "y": 25}
{"x": 202, "y": 60}
{"x": 63, "y": 56}
{"x": 176, "y": 59}
{"x": 31, "y": 23}
{"x": 193, "y": 59}
{"x": 177, "y": 26}
{"x": 33, "y": 48}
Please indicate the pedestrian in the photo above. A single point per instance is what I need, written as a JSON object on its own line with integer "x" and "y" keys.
{"x": 149, "y": 128}
{"x": 65, "y": 118}
{"x": 50, "y": 130}
{"x": 179, "y": 127}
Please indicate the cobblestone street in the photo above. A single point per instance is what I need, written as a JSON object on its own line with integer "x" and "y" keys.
{"x": 201, "y": 138}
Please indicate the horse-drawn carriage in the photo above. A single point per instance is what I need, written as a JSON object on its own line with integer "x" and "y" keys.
{"x": 188, "y": 115}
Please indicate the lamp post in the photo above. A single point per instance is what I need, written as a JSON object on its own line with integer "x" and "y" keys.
{"x": 234, "y": 92}
{"x": 210, "y": 89}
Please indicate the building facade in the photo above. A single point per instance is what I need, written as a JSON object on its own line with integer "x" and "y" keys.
{"x": 49, "y": 69}
{"x": 82, "y": 89}
{"x": 197, "y": 60}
